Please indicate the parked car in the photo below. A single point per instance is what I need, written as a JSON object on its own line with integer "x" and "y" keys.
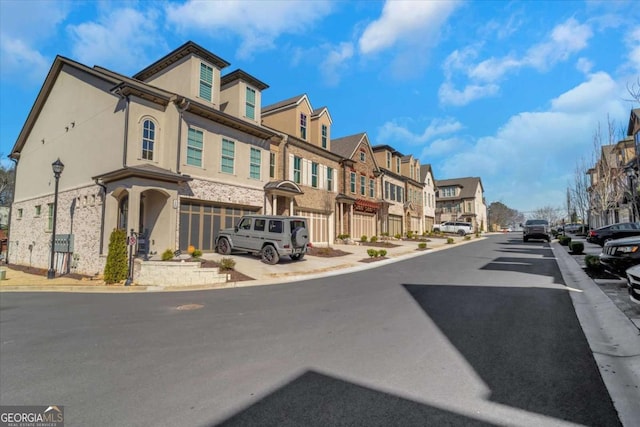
{"x": 457, "y": 227}
{"x": 572, "y": 228}
{"x": 614, "y": 231}
{"x": 536, "y": 229}
{"x": 620, "y": 254}
{"x": 270, "y": 236}
{"x": 633, "y": 283}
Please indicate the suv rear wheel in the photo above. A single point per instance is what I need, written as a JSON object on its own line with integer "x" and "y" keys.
{"x": 224, "y": 247}
{"x": 461, "y": 232}
{"x": 297, "y": 257}
{"x": 269, "y": 255}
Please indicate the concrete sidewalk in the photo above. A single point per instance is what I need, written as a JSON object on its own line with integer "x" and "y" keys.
{"x": 285, "y": 271}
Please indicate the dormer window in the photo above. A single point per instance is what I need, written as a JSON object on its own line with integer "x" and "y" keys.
{"x": 388, "y": 160}
{"x": 148, "y": 139}
{"x": 206, "y": 82}
{"x": 324, "y": 136}
{"x": 303, "y": 126}
{"x": 250, "y": 109}
{"x": 398, "y": 165}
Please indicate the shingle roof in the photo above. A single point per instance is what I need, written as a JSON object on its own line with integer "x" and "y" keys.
{"x": 243, "y": 75}
{"x": 345, "y": 146}
{"x": 290, "y": 101}
{"x": 424, "y": 169}
{"x": 468, "y": 186}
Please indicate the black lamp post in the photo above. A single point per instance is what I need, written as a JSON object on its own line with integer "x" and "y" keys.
{"x": 57, "y": 167}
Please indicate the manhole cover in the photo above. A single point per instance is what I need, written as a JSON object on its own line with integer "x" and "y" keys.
{"x": 189, "y": 307}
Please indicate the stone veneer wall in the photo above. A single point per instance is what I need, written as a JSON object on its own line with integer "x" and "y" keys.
{"x": 79, "y": 213}
{"x": 167, "y": 273}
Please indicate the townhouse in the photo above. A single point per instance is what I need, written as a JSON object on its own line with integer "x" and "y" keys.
{"x": 461, "y": 199}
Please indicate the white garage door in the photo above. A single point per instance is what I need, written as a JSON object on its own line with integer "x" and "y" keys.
{"x": 363, "y": 225}
{"x": 318, "y": 226}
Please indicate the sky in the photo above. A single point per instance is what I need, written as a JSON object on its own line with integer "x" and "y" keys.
{"x": 511, "y": 92}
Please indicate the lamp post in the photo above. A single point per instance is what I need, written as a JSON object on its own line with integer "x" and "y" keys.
{"x": 57, "y": 167}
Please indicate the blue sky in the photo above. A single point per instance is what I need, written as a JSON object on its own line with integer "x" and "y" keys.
{"x": 511, "y": 92}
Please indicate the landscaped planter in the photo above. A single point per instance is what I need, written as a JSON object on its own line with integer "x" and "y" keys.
{"x": 170, "y": 273}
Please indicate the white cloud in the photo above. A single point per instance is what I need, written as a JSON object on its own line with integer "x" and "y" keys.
{"x": 403, "y": 21}
{"x": 587, "y": 96}
{"x": 257, "y": 23}
{"x": 398, "y": 131}
{"x": 584, "y": 65}
{"x": 334, "y": 62}
{"x": 564, "y": 40}
{"x": 20, "y": 59}
{"x": 449, "y": 95}
{"x": 122, "y": 37}
{"x": 633, "y": 43}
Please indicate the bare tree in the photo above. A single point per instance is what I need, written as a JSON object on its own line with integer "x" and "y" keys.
{"x": 608, "y": 178}
{"x": 7, "y": 181}
{"x": 634, "y": 91}
{"x": 551, "y": 214}
{"x": 579, "y": 191}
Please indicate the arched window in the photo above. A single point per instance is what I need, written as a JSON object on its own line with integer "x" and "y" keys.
{"x": 148, "y": 139}
{"x": 123, "y": 212}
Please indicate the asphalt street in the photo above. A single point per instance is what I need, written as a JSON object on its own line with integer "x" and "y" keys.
{"x": 480, "y": 334}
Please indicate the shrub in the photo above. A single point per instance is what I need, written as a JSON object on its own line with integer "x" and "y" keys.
{"x": 422, "y": 245}
{"x": 373, "y": 239}
{"x": 363, "y": 238}
{"x": 197, "y": 253}
{"x": 564, "y": 240}
{"x": 167, "y": 255}
{"x": 467, "y": 237}
{"x": 576, "y": 247}
{"x": 372, "y": 253}
{"x": 227, "y": 264}
{"x": 592, "y": 262}
{"x": 385, "y": 234}
{"x": 117, "y": 269}
{"x": 398, "y": 236}
{"x": 450, "y": 240}
{"x": 382, "y": 252}
{"x": 343, "y": 236}
{"x": 409, "y": 234}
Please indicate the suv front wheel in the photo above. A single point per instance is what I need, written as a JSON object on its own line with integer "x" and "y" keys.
{"x": 269, "y": 255}
{"x": 224, "y": 247}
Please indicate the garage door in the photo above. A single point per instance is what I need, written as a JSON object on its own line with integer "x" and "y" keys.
{"x": 318, "y": 226}
{"x": 363, "y": 225}
{"x": 395, "y": 225}
{"x": 201, "y": 221}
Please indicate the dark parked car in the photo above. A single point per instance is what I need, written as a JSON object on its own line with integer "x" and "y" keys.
{"x": 614, "y": 231}
{"x": 633, "y": 283}
{"x": 536, "y": 229}
{"x": 620, "y": 254}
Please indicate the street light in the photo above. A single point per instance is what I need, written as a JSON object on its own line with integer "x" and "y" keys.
{"x": 57, "y": 167}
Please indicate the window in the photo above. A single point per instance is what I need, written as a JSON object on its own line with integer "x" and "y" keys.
{"x": 393, "y": 192}
{"x": 206, "y": 82}
{"x": 363, "y": 184}
{"x": 372, "y": 190}
{"x": 250, "y": 109}
{"x": 148, "y": 139}
{"x": 363, "y": 156}
{"x": 401, "y": 194}
{"x": 448, "y": 192}
{"x": 20, "y": 213}
{"x": 314, "y": 175}
{"x": 303, "y": 126}
{"x": 297, "y": 169}
{"x": 38, "y": 210}
{"x": 398, "y": 165}
{"x": 324, "y": 136}
{"x": 353, "y": 182}
{"x": 228, "y": 155}
{"x": 469, "y": 207}
{"x": 330, "y": 179}
{"x": 272, "y": 165}
{"x": 258, "y": 224}
{"x": 388, "y": 160}
{"x": 275, "y": 226}
{"x": 245, "y": 224}
{"x": 254, "y": 167}
{"x": 386, "y": 191}
{"x": 194, "y": 147}
{"x": 50, "y": 217}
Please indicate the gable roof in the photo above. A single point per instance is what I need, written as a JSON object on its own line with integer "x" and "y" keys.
{"x": 346, "y": 146}
{"x": 176, "y": 55}
{"x": 424, "y": 170}
{"x": 634, "y": 122}
{"x": 467, "y": 185}
{"x": 320, "y": 111}
{"x": 385, "y": 147}
{"x": 244, "y": 76}
{"x": 286, "y": 104}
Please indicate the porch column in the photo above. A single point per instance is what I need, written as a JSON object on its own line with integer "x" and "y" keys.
{"x": 291, "y": 206}
{"x": 274, "y": 204}
{"x": 351, "y": 220}
{"x": 341, "y": 219}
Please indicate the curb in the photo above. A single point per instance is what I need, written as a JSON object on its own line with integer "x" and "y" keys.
{"x": 612, "y": 337}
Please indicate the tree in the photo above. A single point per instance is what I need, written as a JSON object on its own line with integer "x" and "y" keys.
{"x": 7, "y": 183}
{"x": 579, "y": 191}
{"x": 551, "y": 214}
{"x": 503, "y": 216}
{"x": 117, "y": 266}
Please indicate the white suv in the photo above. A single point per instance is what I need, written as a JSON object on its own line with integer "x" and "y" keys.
{"x": 457, "y": 227}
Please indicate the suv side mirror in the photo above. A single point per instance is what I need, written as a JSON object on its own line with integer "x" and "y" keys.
{"x": 235, "y": 228}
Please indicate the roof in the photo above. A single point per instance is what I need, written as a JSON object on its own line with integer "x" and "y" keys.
{"x": 143, "y": 171}
{"x": 634, "y": 122}
{"x": 468, "y": 186}
{"x": 244, "y": 76}
{"x": 424, "y": 170}
{"x": 287, "y": 103}
{"x": 347, "y": 145}
{"x": 386, "y": 147}
{"x": 176, "y": 55}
